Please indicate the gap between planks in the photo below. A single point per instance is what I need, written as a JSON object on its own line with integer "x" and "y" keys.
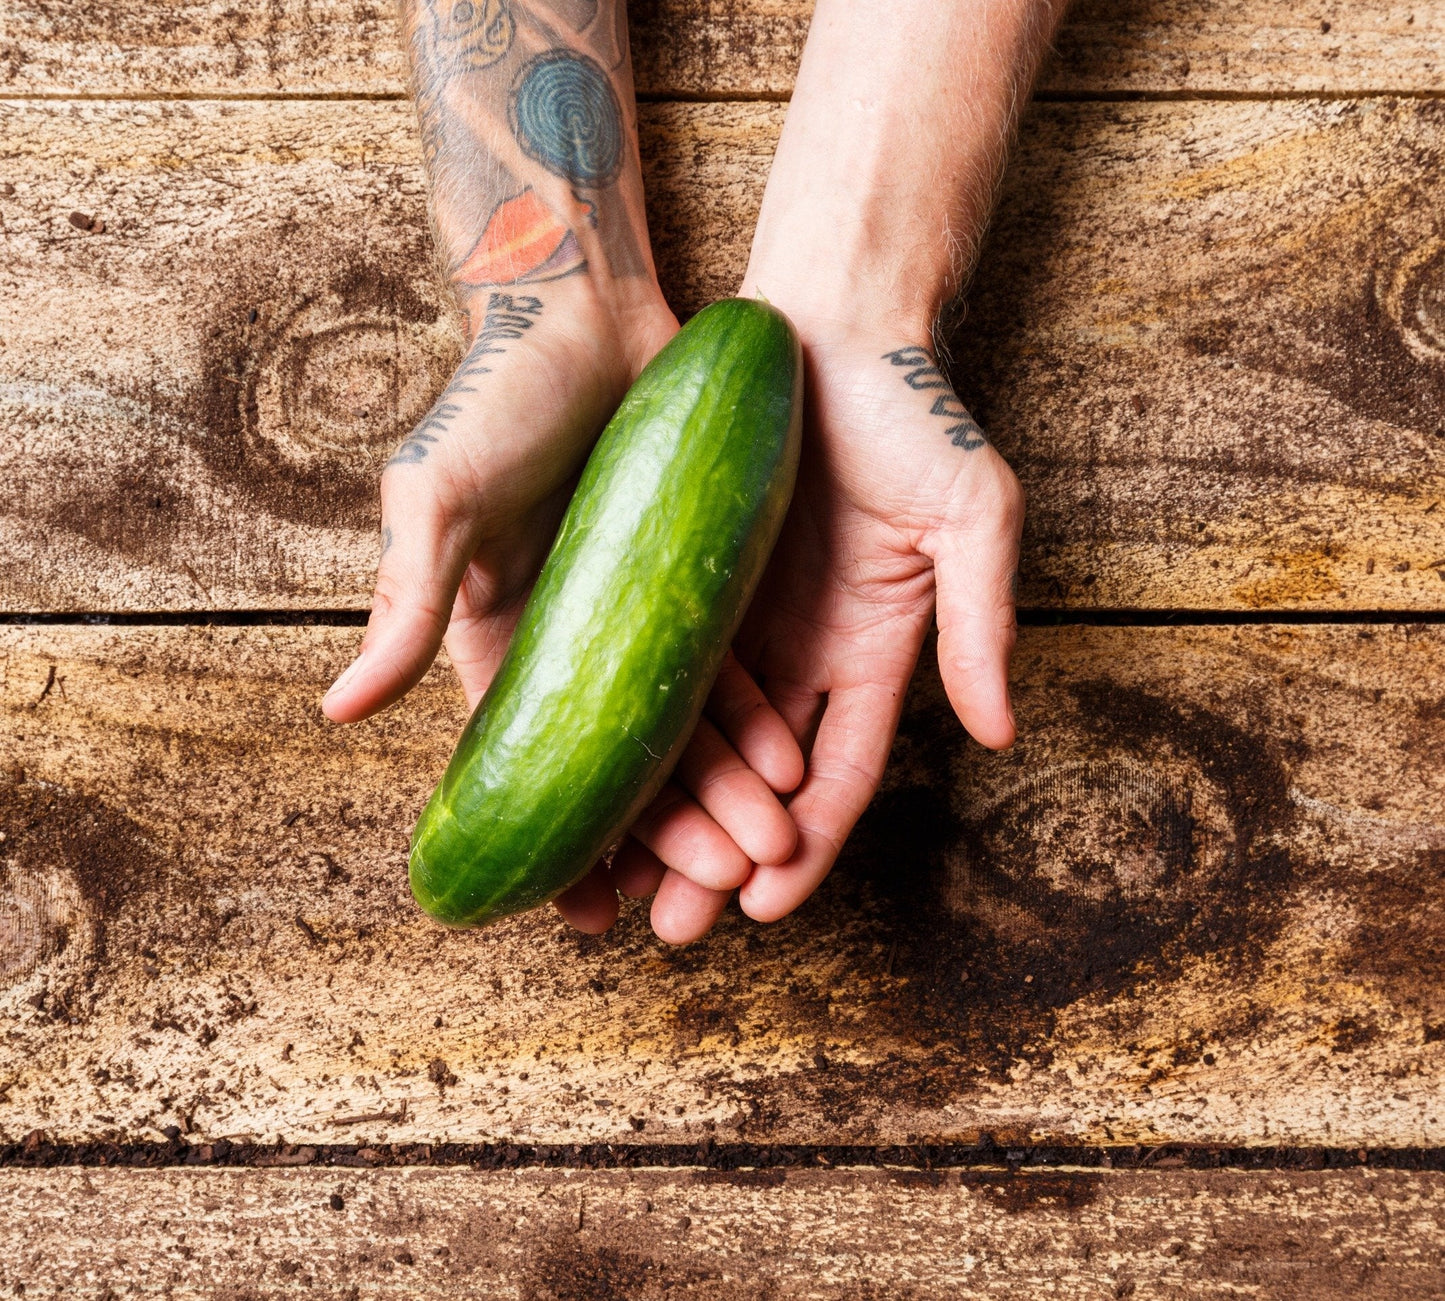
{"x": 34, "y": 1152}
{"x": 1028, "y": 617}
{"x": 1113, "y": 96}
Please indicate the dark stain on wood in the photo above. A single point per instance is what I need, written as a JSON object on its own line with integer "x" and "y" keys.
{"x": 1376, "y": 340}
{"x": 1020, "y": 1193}
{"x": 571, "y": 1270}
{"x": 300, "y": 402}
{"x": 329, "y": 358}
{"x": 78, "y": 881}
{"x": 1397, "y": 943}
{"x": 1086, "y": 879}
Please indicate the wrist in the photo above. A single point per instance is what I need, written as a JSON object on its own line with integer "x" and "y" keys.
{"x": 829, "y": 308}
{"x": 629, "y": 318}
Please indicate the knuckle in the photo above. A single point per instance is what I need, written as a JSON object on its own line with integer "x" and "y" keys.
{"x": 722, "y": 779}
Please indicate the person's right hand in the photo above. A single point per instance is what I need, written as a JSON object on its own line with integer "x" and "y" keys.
{"x": 470, "y": 504}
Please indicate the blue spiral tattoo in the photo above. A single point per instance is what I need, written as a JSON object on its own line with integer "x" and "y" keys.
{"x": 565, "y": 116}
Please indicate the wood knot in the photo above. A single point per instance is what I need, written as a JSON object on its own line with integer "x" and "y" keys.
{"x": 338, "y": 389}
{"x": 1413, "y": 298}
{"x": 1092, "y": 865}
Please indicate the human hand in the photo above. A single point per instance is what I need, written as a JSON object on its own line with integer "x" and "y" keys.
{"x": 877, "y": 197}
{"x": 528, "y": 130}
{"x": 470, "y": 504}
{"x": 900, "y": 503}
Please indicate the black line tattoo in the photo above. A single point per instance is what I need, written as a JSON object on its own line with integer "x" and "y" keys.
{"x": 508, "y": 318}
{"x": 923, "y": 374}
{"x": 386, "y": 539}
{"x": 452, "y": 38}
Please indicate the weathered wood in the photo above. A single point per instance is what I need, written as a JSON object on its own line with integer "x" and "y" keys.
{"x": 1247, "y": 46}
{"x": 710, "y": 48}
{"x": 574, "y": 1235}
{"x": 1209, "y": 336}
{"x": 1202, "y": 900}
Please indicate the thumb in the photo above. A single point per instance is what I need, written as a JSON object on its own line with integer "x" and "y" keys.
{"x": 423, "y": 559}
{"x": 977, "y": 623}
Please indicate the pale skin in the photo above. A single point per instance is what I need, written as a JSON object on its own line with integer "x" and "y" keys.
{"x": 879, "y": 191}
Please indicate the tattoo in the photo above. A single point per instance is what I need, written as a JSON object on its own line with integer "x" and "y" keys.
{"x": 473, "y": 34}
{"x": 566, "y": 117}
{"x": 525, "y": 138}
{"x": 923, "y": 374}
{"x": 523, "y": 243}
{"x": 508, "y": 318}
{"x": 453, "y": 37}
{"x": 386, "y": 539}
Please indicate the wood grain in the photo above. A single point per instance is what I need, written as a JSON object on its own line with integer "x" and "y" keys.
{"x": 1209, "y": 336}
{"x": 710, "y": 48}
{"x": 544, "y": 1235}
{"x": 1201, "y": 901}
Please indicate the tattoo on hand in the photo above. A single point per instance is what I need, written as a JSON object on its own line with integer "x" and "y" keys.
{"x": 922, "y": 373}
{"x": 509, "y": 317}
{"x": 386, "y": 539}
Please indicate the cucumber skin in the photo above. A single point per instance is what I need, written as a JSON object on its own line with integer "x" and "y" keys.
{"x": 661, "y": 549}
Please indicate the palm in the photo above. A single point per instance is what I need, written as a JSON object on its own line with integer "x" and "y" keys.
{"x": 886, "y": 508}
{"x": 511, "y": 492}
{"x": 472, "y": 499}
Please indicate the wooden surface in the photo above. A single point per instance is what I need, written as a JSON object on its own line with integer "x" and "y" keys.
{"x": 544, "y": 1235}
{"x": 1200, "y": 901}
{"x": 1210, "y": 338}
{"x": 711, "y": 48}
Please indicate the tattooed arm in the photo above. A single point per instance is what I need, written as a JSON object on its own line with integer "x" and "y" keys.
{"x": 528, "y": 130}
{"x": 879, "y": 191}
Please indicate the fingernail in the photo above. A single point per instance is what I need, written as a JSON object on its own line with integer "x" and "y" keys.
{"x": 344, "y": 680}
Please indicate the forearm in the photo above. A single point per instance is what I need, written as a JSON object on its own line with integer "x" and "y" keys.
{"x": 886, "y": 169}
{"x": 529, "y": 132}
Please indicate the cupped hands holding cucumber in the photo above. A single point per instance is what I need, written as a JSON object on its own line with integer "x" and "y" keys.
{"x": 879, "y": 190}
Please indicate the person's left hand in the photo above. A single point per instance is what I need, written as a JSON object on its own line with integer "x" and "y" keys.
{"x": 900, "y": 504}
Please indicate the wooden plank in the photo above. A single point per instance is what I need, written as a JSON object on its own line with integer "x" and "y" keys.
{"x": 711, "y": 48}
{"x": 1209, "y": 337}
{"x": 1201, "y": 901}
{"x": 570, "y": 1235}
{"x": 1247, "y": 46}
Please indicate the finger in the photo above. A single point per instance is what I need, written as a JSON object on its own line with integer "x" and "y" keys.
{"x": 685, "y": 911}
{"x": 686, "y": 838}
{"x": 739, "y": 800}
{"x": 591, "y": 904}
{"x": 636, "y": 870}
{"x": 844, "y": 770}
{"x": 798, "y": 705}
{"x": 977, "y": 625}
{"x": 416, "y": 584}
{"x": 758, "y": 732}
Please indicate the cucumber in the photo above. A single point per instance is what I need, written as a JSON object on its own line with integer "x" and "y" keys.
{"x": 656, "y": 559}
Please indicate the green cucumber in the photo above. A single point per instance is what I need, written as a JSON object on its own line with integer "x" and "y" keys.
{"x": 657, "y": 557}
